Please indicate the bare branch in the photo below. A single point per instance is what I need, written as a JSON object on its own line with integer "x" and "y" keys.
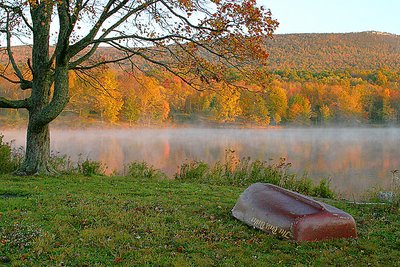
{"x": 84, "y": 57}
{"x": 105, "y": 62}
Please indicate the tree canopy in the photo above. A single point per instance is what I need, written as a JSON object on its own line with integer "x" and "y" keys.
{"x": 197, "y": 40}
{"x": 200, "y": 37}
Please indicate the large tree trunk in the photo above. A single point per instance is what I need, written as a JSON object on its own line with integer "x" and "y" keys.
{"x": 37, "y": 151}
{"x": 45, "y": 105}
{"x": 40, "y": 115}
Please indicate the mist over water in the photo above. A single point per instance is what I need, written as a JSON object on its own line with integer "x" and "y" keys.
{"x": 355, "y": 159}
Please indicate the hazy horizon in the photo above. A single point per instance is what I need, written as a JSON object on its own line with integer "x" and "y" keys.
{"x": 339, "y": 16}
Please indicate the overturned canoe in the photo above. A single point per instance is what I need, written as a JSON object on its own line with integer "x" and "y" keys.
{"x": 291, "y": 215}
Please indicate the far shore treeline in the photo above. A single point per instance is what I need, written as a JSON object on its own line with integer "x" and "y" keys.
{"x": 285, "y": 94}
{"x": 287, "y": 97}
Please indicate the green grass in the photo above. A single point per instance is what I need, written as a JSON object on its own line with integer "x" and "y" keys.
{"x": 123, "y": 221}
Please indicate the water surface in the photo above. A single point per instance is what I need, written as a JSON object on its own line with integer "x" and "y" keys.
{"x": 353, "y": 159}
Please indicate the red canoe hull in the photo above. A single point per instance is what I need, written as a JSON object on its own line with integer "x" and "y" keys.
{"x": 291, "y": 215}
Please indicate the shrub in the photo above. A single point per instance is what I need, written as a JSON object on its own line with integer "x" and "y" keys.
{"x": 144, "y": 171}
{"x": 323, "y": 190}
{"x": 90, "y": 167}
{"x": 9, "y": 159}
{"x": 192, "y": 171}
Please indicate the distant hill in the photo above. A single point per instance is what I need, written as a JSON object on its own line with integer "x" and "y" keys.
{"x": 327, "y": 51}
{"x": 364, "y": 51}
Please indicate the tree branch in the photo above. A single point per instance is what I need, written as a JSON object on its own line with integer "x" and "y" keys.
{"x": 98, "y": 64}
{"x": 89, "y": 39}
{"x": 78, "y": 8}
{"x": 85, "y": 41}
{"x": 17, "y": 10}
{"x": 10, "y": 54}
{"x": 184, "y": 19}
{"x": 15, "y": 104}
{"x": 9, "y": 79}
{"x": 96, "y": 84}
{"x": 161, "y": 64}
{"x": 65, "y": 30}
{"x": 135, "y": 36}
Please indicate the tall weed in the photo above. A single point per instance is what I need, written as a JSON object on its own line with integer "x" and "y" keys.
{"x": 62, "y": 163}
{"x": 243, "y": 172}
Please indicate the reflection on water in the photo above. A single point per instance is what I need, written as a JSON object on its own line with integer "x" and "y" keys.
{"x": 354, "y": 159}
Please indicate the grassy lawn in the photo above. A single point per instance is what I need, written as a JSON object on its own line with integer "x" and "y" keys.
{"x": 103, "y": 221}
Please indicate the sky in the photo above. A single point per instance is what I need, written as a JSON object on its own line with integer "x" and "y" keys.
{"x": 335, "y": 16}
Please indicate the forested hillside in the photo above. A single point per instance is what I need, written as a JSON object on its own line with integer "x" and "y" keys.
{"x": 330, "y": 51}
{"x": 312, "y": 79}
{"x": 313, "y": 52}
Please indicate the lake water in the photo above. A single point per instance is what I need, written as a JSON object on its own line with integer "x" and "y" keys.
{"x": 353, "y": 159}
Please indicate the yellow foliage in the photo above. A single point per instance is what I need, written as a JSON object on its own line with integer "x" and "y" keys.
{"x": 227, "y": 107}
{"x": 109, "y": 100}
{"x": 145, "y": 100}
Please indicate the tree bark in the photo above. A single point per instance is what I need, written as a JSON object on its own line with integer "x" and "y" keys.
{"x": 37, "y": 150}
{"x": 41, "y": 113}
